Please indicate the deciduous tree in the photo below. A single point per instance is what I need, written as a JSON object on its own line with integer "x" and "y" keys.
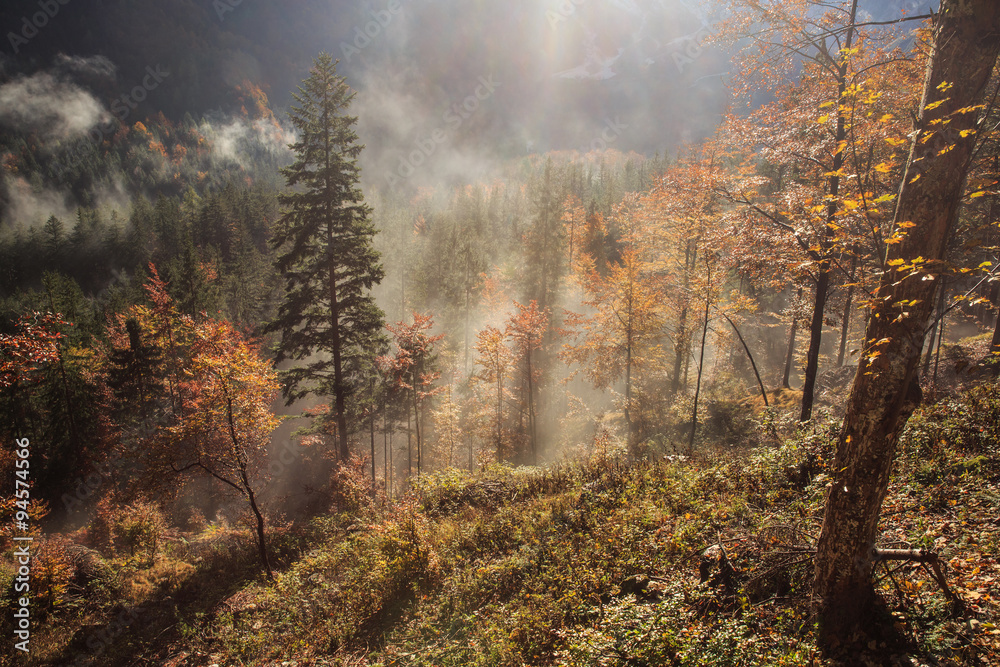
{"x": 885, "y": 391}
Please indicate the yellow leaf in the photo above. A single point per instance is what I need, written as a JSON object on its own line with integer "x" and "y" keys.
{"x": 981, "y": 193}
{"x": 896, "y": 262}
{"x": 822, "y": 119}
{"x": 915, "y": 178}
{"x": 906, "y": 225}
{"x": 965, "y": 133}
{"x": 935, "y": 105}
{"x": 883, "y": 168}
{"x": 886, "y": 118}
{"x": 895, "y": 142}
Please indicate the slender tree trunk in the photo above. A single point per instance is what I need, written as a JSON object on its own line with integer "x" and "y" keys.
{"x": 681, "y": 348}
{"x": 531, "y": 410}
{"x": 815, "y": 341}
{"x": 885, "y": 390}
{"x": 701, "y": 362}
{"x": 416, "y": 424}
{"x": 679, "y": 352}
{"x": 499, "y": 416}
{"x": 628, "y": 391}
{"x": 753, "y": 364}
{"x": 74, "y": 439}
{"x": 628, "y": 376}
{"x": 940, "y": 339}
{"x": 339, "y": 390}
{"x": 995, "y": 348}
{"x": 934, "y": 332}
{"x": 823, "y": 280}
{"x": 845, "y": 322}
{"x": 790, "y": 355}
{"x": 468, "y": 290}
{"x": 261, "y": 544}
{"x": 385, "y": 448}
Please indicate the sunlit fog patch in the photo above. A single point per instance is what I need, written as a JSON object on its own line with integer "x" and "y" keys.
{"x": 46, "y": 105}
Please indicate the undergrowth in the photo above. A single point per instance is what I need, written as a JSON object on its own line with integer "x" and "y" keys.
{"x": 673, "y": 561}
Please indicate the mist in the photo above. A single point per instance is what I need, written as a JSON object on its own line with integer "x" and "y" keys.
{"x": 46, "y": 105}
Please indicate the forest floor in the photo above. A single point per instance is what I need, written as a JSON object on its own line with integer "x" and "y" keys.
{"x": 701, "y": 561}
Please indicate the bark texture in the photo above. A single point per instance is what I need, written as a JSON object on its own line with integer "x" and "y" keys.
{"x": 885, "y": 391}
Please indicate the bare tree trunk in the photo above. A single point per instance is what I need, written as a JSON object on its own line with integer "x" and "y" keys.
{"x": 845, "y": 322}
{"x": 823, "y": 280}
{"x": 934, "y": 331}
{"x": 995, "y": 348}
{"x": 385, "y": 448}
{"x": 261, "y": 544}
{"x": 790, "y": 356}
{"x": 753, "y": 364}
{"x": 885, "y": 390}
{"x": 681, "y": 344}
{"x": 531, "y": 413}
{"x": 940, "y": 339}
{"x": 701, "y": 362}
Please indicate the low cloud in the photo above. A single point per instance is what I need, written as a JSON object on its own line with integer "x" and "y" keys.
{"x": 234, "y": 140}
{"x": 96, "y": 66}
{"x": 49, "y": 107}
{"x": 29, "y": 206}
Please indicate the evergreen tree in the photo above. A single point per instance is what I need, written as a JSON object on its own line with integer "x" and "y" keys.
{"x": 325, "y": 251}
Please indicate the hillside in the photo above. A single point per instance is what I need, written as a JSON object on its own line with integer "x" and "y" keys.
{"x": 684, "y": 562}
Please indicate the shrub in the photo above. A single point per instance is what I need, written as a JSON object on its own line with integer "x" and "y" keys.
{"x": 136, "y": 528}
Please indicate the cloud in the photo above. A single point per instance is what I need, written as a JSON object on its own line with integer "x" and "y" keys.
{"x": 97, "y": 66}
{"x": 233, "y": 140}
{"x": 50, "y": 107}
{"x": 30, "y": 206}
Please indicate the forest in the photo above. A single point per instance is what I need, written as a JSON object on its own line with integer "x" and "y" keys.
{"x": 322, "y": 343}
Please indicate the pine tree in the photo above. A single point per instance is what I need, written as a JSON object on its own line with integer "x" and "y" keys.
{"x": 325, "y": 251}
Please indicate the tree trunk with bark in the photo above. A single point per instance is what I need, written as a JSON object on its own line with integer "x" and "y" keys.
{"x": 845, "y": 321}
{"x": 885, "y": 391}
{"x": 823, "y": 279}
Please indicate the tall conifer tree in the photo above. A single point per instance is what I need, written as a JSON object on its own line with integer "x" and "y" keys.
{"x": 325, "y": 253}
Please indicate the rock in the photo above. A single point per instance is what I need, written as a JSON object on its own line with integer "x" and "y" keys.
{"x": 715, "y": 569}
